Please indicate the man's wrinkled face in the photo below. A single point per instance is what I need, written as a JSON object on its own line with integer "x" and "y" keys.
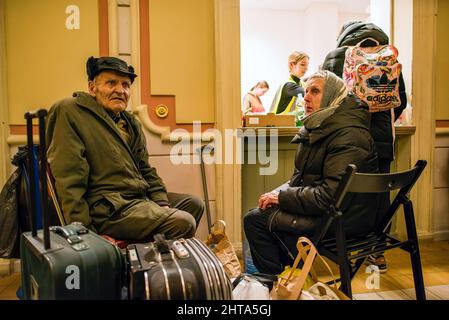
{"x": 111, "y": 90}
{"x": 314, "y": 94}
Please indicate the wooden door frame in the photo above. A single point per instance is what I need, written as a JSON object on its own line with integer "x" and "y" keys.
{"x": 423, "y": 95}
{"x": 5, "y": 165}
{"x": 227, "y": 112}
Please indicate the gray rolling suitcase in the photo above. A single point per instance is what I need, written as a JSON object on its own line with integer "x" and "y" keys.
{"x": 183, "y": 269}
{"x": 68, "y": 262}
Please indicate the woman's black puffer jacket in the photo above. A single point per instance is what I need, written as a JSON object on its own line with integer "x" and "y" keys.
{"x": 321, "y": 159}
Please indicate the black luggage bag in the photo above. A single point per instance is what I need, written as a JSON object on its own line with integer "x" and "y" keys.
{"x": 68, "y": 262}
{"x": 183, "y": 269}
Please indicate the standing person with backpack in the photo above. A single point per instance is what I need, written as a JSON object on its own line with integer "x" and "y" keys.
{"x": 382, "y": 123}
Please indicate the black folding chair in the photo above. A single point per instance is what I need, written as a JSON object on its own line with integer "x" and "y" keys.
{"x": 350, "y": 253}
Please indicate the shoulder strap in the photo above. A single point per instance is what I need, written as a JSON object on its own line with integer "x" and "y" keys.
{"x": 371, "y": 39}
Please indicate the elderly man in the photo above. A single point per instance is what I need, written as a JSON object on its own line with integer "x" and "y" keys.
{"x": 335, "y": 134}
{"x": 98, "y": 156}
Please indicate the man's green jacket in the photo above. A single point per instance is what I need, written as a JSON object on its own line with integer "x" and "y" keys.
{"x": 101, "y": 180}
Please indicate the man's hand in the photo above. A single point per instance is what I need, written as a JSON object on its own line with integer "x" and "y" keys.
{"x": 269, "y": 200}
{"x": 168, "y": 207}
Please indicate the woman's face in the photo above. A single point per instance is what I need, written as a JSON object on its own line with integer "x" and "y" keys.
{"x": 314, "y": 94}
{"x": 260, "y": 91}
{"x": 300, "y": 68}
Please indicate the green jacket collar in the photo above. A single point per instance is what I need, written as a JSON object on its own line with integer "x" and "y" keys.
{"x": 295, "y": 79}
{"x": 84, "y": 100}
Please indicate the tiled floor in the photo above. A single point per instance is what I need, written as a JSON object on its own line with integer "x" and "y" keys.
{"x": 396, "y": 284}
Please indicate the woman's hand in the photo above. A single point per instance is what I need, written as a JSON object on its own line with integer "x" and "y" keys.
{"x": 269, "y": 200}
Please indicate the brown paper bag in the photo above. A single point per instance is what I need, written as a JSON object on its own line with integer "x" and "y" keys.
{"x": 291, "y": 286}
{"x": 219, "y": 243}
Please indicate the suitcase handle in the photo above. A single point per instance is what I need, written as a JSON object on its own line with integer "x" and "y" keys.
{"x": 203, "y": 178}
{"x": 161, "y": 244}
{"x": 73, "y": 229}
{"x": 29, "y": 116}
{"x": 65, "y": 233}
{"x": 41, "y": 113}
{"x": 72, "y": 235}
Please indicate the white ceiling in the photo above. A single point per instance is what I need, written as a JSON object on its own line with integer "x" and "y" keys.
{"x": 349, "y": 6}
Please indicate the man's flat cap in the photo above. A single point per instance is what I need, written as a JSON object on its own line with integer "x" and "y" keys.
{"x": 95, "y": 66}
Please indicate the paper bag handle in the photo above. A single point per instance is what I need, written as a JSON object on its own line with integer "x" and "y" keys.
{"x": 308, "y": 259}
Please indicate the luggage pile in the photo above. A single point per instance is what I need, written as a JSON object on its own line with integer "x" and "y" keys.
{"x": 71, "y": 262}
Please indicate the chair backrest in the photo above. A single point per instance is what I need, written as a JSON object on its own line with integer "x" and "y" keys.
{"x": 353, "y": 182}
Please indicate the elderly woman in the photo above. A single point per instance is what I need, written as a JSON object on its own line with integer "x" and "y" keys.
{"x": 335, "y": 134}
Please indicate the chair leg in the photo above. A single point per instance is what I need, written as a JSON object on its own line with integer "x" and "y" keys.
{"x": 358, "y": 263}
{"x": 414, "y": 252}
{"x": 345, "y": 273}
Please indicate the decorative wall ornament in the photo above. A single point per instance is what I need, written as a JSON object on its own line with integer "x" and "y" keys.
{"x": 161, "y": 111}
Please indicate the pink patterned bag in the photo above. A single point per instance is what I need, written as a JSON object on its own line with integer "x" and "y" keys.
{"x": 372, "y": 73}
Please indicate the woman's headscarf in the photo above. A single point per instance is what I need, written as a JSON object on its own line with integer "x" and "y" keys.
{"x": 334, "y": 91}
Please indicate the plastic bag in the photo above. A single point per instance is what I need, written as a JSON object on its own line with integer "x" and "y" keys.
{"x": 319, "y": 291}
{"x": 249, "y": 288}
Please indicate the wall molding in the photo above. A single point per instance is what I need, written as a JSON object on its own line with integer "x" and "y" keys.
{"x": 441, "y": 235}
{"x": 442, "y": 131}
{"x": 112, "y": 15}
{"x": 103, "y": 19}
{"x": 166, "y": 135}
{"x": 19, "y": 139}
{"x": 136, "y": 91}
{"x": 442, "y": 123}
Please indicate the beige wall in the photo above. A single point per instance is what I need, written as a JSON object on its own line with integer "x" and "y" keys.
{"x": 182, "y": 56}
{"x": 45, "y": 61}
{"x": 183, "y": 178}
{"x": 442, "y": 61}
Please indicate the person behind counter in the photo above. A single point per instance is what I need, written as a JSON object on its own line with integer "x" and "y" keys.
{"x": 335, "y": 134}
{"x": 287, "y": 94}
{"x": 252, "y": 102}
